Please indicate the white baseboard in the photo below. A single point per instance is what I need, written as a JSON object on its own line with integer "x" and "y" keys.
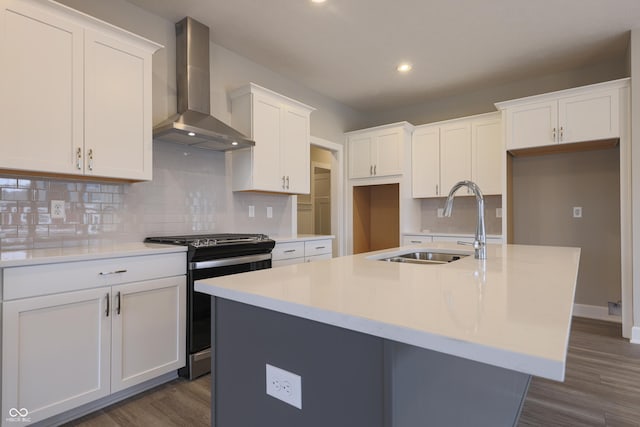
{"x": 595, "y": 312}
{"x": 635, "y": 335}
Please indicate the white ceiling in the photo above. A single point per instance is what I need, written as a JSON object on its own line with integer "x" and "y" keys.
{"x": 348, "y": 49}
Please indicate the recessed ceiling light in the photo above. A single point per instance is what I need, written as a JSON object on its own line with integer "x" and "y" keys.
{"x": 318, "y": 1}
{"x": 234, "y": 143}
{"x": 404, "y": 67}
{"x": 191, "y": 134}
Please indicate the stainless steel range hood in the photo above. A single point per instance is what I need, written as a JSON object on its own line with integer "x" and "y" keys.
{"x": 194, "y": 125}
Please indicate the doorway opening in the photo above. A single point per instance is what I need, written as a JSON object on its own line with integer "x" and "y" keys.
{"x": 314, "y": 209}
{"x": 321, "y": 211}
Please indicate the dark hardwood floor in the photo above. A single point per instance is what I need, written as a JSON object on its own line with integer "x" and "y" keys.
{"x": 602, "y": 388}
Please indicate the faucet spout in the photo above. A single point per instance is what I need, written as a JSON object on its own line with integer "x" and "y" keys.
{"x": 480, "y": 241}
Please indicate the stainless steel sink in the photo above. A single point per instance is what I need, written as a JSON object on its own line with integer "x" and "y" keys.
{"x": 425, "y": 257}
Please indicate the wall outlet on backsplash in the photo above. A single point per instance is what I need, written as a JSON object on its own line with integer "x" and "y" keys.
{"x": 440, "y": 213}
{"x": 498, "y": 212}
{"x": 57, "y": 209}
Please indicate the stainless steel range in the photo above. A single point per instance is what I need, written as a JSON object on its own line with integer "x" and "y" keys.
{"x": 213, "y": 255}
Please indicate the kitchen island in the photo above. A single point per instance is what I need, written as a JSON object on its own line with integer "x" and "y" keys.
{"x": 393, "y": 344}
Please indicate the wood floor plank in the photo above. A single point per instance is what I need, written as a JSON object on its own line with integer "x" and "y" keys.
{"x": 601, "y": 389}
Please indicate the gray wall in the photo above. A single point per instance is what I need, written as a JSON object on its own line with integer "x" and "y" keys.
{"x": 482, "y": 101}
{"x": 464, "y": 216}
{"x": 545, "y": 188}
{"x": 228, "y": 71}
{"x": 189, "y": 192}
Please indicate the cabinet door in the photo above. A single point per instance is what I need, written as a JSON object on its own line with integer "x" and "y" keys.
{"x": 532, "y": 125}
{"x": 266, "y": 132}
{"x": 487, "y": 152}
{"x": 117, "y": 109}
{"x": 388, "y": 157}
{"x": 148, "y": 330}
{"x": 360, "y": 163}
{"x": 55, "y": 352}
{"x": 425, "y": 162}
{"x": 589, "y": 117}
{"x": 294, "y": 150}
{"x": 455, "y": 155}
{"x": 41, "y": 83}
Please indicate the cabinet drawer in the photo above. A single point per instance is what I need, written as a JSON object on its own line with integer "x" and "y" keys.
{"x": 317, "y": 247}
{"x": 288, "y": 250}
{"x": 29, "y": 281}
{"x": 416, "y": 239}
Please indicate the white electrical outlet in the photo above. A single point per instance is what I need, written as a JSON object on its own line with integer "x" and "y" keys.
{"x": 269, "y": 212}
{"x": 498, "y": 212}
{"x": 252, "y": 211}
{"x": 440, "y": 213}
{"x": 57, "y": 209}
{"x": 284, "y": 385}
{"x": 577, "y": 211}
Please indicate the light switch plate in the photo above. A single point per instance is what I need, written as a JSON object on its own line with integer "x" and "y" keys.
{"x": 269, "y": 212}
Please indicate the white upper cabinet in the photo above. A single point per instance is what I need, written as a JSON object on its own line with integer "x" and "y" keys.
{"x": 487, "y": 151}
{"x": 582, "y": 114}
{"x": 378, "y": 151}
{"x": 468, "y": 148}
{"x": 425, "y": 161}
{"x": 76, "y": 94}
{"x": 455, "y": 154}
{"x": 280, "y": 126}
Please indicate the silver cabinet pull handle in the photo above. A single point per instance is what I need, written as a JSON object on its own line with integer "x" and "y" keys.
{"x": 118, "y": 306}
{"x": 283, "y": 187}
{"x": 437, "y": 189}
{"x": 107, "y": 311}
{"x": 79, "y": 158}
{"x": 287, "y": 182}
{"x": 561, "y": 133}
{"x": 415, "y": 241}
{"x": 320, "y": 247}
{"x": 370, "y": 169}
{"x": 90, "y": 155}
{"x": 374, "y": 170}
{"x": 289, "y": 251}
{"x": 553, "y": 132}
{"x": 106, "y": 273}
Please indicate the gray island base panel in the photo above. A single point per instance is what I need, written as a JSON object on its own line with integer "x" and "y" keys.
{"x": 349, "y": 378}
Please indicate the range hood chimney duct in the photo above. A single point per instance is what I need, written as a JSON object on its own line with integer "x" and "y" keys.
{"x": 194, "y": 125}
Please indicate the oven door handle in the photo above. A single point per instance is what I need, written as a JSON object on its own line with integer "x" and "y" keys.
{"x": 229, "y": 261}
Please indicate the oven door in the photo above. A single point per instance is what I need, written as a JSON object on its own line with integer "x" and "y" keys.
{"x": 199, "y": 305}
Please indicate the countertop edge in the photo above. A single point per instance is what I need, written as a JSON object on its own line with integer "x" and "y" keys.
{"x": 302, "y": 238}
{"x": 62, "y": 255}
{"x": 531, "y": 365}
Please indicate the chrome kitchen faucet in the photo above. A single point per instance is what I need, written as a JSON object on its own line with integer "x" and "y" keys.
{"x": 480, "y": 241}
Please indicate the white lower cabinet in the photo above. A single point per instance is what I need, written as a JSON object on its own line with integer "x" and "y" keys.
{"x": 148, "y": 335}
{"x": 64, "y": 350}
{"x": 296, "y": 252}
{"x": 56, "y": 352}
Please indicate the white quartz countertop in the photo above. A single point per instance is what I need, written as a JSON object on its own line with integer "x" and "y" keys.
{"x": 301, "y": 238}
{"x": 83, "y": 253}
{"x": 512, "y": 310}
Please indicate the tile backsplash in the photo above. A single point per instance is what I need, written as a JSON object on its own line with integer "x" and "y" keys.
{"x": 190, "y": 193}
